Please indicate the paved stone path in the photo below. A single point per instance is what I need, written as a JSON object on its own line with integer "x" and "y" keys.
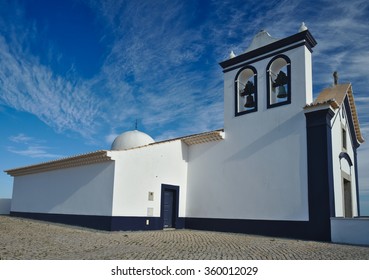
{"x": 28, "y": 239}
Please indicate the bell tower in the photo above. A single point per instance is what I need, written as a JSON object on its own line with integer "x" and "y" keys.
{"x": 272, "y": 79}
{"x": 265, "y": 147}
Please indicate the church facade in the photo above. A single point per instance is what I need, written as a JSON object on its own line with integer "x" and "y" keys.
{"x": 283, "y": 165}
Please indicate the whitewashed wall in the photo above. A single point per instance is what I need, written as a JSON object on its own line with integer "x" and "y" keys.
{"x": 84, "y": 190}
{"x": 337, "y": 123}
{"x": 143, "y": 170}
{"x": 260, "y": 170}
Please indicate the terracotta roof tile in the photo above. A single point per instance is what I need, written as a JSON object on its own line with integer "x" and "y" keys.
{"x": 73, "y": 161}
{"x": 334, "y": 97}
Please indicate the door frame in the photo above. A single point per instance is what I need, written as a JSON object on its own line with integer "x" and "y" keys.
{"x": 348, "y": 211}
{"x": 175, "y": 190}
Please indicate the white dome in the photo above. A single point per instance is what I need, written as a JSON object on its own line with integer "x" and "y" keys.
{"x": 131, "y": 139}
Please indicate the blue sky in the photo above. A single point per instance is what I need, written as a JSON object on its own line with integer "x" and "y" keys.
{"x": 74, "y": 74}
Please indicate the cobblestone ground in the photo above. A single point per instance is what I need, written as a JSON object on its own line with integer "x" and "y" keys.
{"x": 28, "y": 239}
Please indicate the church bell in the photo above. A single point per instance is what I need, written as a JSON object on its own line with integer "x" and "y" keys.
{"x": 249, "y": 89}
{"x": 282, "y": 93}
{"x": 250, "y": 103}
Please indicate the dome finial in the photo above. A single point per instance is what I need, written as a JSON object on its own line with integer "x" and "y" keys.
{"x": 232, "y": 55}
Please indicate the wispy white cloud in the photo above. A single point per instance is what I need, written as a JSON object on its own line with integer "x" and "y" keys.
{"x": 155, "y": 56}
{"x": 34, "y": 152}
{"x": 21, "y": 138}
{"x": 28, "y": 86}
{"x": 362, "y": 100}
{"x": 30, "y": 147}
{"x": 340, "y": 29}
{"x": 63, "y": 103}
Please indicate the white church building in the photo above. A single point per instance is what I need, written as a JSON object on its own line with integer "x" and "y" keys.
{"x": 284, "y": 164}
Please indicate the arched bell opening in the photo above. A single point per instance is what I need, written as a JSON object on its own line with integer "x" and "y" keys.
{"x": 279, "y": 81}
{"x": 246, "y": 91}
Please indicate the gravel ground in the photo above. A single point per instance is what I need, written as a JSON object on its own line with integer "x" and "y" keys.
{"x": 28, "y": 239}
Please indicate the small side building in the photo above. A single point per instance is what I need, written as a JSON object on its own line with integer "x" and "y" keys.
{"x": 5, "y": 204}
{"x": 284, "y": 164}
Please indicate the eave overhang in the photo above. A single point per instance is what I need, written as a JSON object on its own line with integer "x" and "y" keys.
{"x": 68, "y": 162}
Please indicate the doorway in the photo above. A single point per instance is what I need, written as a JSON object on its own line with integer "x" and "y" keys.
{"x": 347, "y": 199}
{"x": 169, "y": 205}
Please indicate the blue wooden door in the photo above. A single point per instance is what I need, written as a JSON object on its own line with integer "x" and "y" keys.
{"x": 168, "y": 208}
